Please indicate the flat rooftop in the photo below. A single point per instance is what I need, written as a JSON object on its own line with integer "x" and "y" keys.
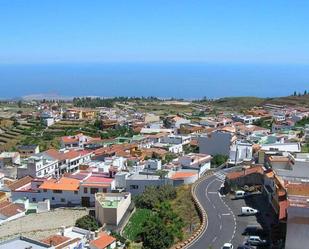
{"x": 143, "y": 177}
{"x": 21, "y": 242}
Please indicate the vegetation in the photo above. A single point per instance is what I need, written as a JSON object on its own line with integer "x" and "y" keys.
{"x": 265, "y": 123}
{"x": 168, "y": 158}
{"x": 155, "y": 222}
{"x": 107, "y": 102}
{"x": 121, "y": 131}
{"x": 218, "y": 160}
{"x": 87, "y": 222}
{"x": 135, "y": 226}
{"x": 305, "y": 148}
{"x": 153, "y": 196}
{"x": 184, "y": 206}
{"x": 302, "y": 122}
{"x": 187, "y": 148}
{"x": 162, "y": 228}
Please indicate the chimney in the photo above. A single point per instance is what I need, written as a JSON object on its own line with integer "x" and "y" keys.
{"x": 62, "y": 229}
{"x": 92, "y": 235}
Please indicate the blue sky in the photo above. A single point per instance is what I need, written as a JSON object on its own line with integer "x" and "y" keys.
{"x": 240, "y": 31}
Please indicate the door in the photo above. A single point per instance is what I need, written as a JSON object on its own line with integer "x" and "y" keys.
{"x": 86, "y": 201}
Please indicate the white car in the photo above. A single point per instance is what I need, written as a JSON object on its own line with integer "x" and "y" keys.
{"x": 248, "y": 211}
{"x": 227, "y": 246}
{"x": 256, "y": 241}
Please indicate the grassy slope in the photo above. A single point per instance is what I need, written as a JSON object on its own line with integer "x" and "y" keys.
{"x": 248, "y": 102}
{"x": 183, "y": 205}
{"x": 134, "y": 226}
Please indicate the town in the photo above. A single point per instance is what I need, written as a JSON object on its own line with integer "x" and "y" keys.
{"x": 152, "y": 173}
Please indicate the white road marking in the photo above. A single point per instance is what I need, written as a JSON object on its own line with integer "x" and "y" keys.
{"x": 227, "y": 214}
{"x": 212, "y": 192}
{"x": 214, "y": 239}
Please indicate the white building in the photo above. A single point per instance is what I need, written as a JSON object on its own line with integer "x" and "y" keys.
{"x": 240, "y": 152}
{"x": 196, "y": 161}
{"x": 248, "y": 119}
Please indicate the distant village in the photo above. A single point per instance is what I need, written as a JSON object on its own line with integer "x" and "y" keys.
{"x": 114, "y": 154}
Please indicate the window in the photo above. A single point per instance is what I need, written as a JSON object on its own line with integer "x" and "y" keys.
{"x": 104, "y": 190}
{"x": 53, "y": 198}
{"x": 34, "y": 199}
{"x": 45, "y": 190}
{"x": 75, "y": 192}
{"x": 133, "y": 186}
{"x": 57, "y": 191}
{"x": 62, "y": 200}
{"x": 85, "y": 190}
{"x": 94, "y": 190}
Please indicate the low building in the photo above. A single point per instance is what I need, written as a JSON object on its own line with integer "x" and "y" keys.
{"x": 75, "y": 142}
{"x": 28, "y": 150}
{"x": 24, "y": 242}
{"x": 136, "y": 183}
{"x": 8, "y": 163}
{"x": 240, "y": 152}
{"x": 183, "y": 177}
{"x": 110, "y": 208}
{"x": 216, "y": 122}
{"x": 104, "y": 241}
{"x": 11, "y": 211}
{"x": 196, "y": 161}
{"x": 249, "y": 119}
{"x": 73, "y": 190}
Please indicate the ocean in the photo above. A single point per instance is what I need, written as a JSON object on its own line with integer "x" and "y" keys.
{"x": 180, "y": 80}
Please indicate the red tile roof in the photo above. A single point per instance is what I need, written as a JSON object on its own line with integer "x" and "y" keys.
{"x": 9, "y": 209}
{"x": 103, "y": 241}
{"x": 182, "y": 175}
{"x": 245, "y": 172}
{"x": 20, "y": 183}
{"x": 63, "y": 155}
{"x": 55, "y": 240}
{"x": 283, "y": 205}
{"x": 64, "y": 183}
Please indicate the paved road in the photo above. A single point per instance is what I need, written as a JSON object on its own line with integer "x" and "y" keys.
{"x": 221, "y": 225}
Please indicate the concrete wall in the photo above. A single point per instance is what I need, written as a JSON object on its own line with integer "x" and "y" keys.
{"x": 215, "y": 143}
{"x": 112, "y": 216}
{"x": 142, "y": 184}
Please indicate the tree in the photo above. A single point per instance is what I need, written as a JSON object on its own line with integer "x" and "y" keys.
{"x": 153, "y": 196}
{"x": 218, "y": 160}
{"x": 155, "y": 234}
{"x": 87, "y": 222}
{"x": 294, "y": 93}
{"x": 305, "y": 92}
{"x": 171, "y": 220}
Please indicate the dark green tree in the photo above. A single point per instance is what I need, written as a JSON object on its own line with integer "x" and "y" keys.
{"x": 155, "y": 234}
{"x": 87, "y": 222}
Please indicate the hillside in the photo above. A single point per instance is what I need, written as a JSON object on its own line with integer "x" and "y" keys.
{"x": 248, "y": 102}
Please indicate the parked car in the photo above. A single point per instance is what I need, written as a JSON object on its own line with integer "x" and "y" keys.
{"x": 240, "y": 194}
{"x": 256, "y": 241}
{"x": 248, "y": 211}
{"x": 255, "y": 230}
{"x": 227, "y": 246}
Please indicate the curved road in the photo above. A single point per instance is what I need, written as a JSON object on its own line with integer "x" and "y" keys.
{"x": 221, "y": 222}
